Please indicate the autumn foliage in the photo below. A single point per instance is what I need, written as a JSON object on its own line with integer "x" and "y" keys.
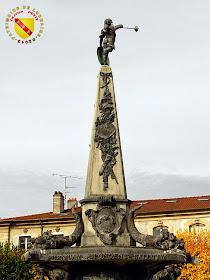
{"x": 197, "y": 244}
{"x": 37, "y": 277}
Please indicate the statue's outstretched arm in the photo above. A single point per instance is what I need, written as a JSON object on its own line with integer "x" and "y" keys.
{"x": 118, "y": 26}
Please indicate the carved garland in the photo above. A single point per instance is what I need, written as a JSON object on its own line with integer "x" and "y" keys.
{"x": 105, "y": 136}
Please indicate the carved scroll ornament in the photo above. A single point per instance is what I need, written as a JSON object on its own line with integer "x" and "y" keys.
{"x": 166, "y": 241}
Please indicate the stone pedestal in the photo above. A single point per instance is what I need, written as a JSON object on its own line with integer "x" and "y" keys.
{"x": 105, "y": 224}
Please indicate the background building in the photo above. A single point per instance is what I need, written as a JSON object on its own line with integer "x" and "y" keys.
{"x": 153, "y": 217}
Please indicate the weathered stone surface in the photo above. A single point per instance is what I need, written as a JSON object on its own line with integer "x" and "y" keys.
{"x": 105, "y": 169}
{"x": 114, "y": 254}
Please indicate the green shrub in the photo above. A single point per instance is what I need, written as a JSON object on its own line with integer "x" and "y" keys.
{"x": 11, "y": 265}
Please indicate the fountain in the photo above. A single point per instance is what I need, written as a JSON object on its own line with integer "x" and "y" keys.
{"x": 105, "y": 243}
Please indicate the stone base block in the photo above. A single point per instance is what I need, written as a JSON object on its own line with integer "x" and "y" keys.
{"x": 121, "y": 240}
{"x": 90, "y": 240}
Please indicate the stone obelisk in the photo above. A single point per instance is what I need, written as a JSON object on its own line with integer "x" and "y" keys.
{"x": 105, "y": 175}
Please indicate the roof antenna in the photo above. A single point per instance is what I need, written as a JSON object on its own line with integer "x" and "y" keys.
{"x": 65, "y": 184}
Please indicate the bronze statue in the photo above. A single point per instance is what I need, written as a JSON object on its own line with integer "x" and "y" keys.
{"x": 107, "y": 39}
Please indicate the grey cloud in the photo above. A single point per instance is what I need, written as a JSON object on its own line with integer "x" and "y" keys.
{"x": 144, "y": 185}
{"x": 28, "y": 192}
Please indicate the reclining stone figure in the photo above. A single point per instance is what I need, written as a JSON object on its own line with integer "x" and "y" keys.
{"x": 50, "y": 241}
{"x": 165, "y": 241}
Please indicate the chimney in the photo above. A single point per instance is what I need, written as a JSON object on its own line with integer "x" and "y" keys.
{"x": 71, "y": 202}
{"x": 58, "y": 203}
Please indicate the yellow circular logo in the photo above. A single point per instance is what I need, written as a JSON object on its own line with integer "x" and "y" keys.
{"x": 24, "y": 24}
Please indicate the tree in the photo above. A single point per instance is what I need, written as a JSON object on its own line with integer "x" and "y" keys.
{"x": 11, "y": 265}
{"x": 197, "y": 244}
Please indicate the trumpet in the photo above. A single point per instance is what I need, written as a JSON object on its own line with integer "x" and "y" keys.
{"x": 136, "y": 28}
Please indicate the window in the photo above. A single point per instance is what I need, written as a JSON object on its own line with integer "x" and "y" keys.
{"x": 159, "y": 230}
{"x": 24, "y": 241}
{"x": 197, "y": 227}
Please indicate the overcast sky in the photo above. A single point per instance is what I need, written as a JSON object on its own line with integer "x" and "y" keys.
{"x": 162, "y": 86}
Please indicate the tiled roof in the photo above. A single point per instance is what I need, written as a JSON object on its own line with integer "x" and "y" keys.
{"x": 149, "y": 206}
{"x": 43, "y": 216}
{"x": 173, "y": 204}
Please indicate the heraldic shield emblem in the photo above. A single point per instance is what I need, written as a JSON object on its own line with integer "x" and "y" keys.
{"x": 24, "y": 27}
{"x": 107, "y": 219}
